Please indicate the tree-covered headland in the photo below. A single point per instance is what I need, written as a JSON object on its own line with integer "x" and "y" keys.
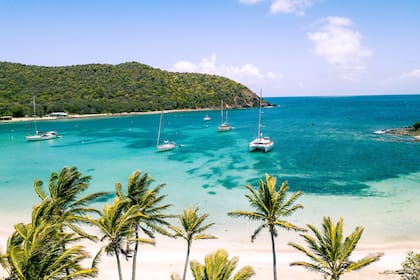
{"x": 105, "y": 88}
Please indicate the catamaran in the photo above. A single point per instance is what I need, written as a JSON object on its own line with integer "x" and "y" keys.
{"x": 38, "y": 135}
{"x": 261, "y": 143}
{"x": 166, "y": 145}
{"x": 224, "y": 124}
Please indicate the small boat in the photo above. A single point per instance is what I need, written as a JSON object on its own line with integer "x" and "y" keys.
{"x": 206, "y": 118}
{"x": 224, "y": 125}
{"x": 38, "y": 135}
{"x": 261, "y": 143}
{"x": 166, "y": 145}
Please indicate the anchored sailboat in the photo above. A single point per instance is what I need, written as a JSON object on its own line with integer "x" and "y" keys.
{"x": 38, "y": 135}
{"x": 224, "y": 124}
{"x": 264, "y": 144}
{"x": 166, "y": 145}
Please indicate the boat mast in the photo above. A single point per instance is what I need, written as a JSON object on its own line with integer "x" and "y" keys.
{"x": 160, "y": 125}
{"x": 34, "y": 105}
{"x": 259, "y": 117}
{"x": 227, "y": 121}
{"x": 221, "y": 112}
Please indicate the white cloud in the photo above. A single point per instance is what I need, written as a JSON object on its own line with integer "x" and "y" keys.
{"x": 247, "y": 74}
{"x": 250, "y": 2}
{"x": 341, "y": 46}
{"x": 296, "y": 7}
{"x": 412, "y": 75}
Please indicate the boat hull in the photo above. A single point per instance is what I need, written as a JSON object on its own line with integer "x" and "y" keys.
{"x": 166, "y": 147}
{"x": 42, "y": 136}
{"x": 224, "y": 128}
{"x": 261, "y": 144}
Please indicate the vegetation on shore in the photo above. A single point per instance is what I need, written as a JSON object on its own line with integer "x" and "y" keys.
{"x": 46, "y": 247}
{"x": 413, "y": 130}
{"x": 105, "y": 88}
{"x": 411, "y": 267}
{"x": 329, "y": 252}
{"x": 271, "y": 206}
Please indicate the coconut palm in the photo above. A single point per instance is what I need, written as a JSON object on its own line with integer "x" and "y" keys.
{"x": 148, "y": 202}
{"x": 192, "y": 228}
{"x": 65, "y": 189}
{"x": 271, "y": 205}
{"x": 35, "y": 250}
{"x": 329, "y": 251}
{"x": 116, "y": 226}
{"x": 218, "y": 266}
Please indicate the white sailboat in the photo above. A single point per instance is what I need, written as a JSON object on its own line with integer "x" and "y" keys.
{"x": 261, "y": 143}
{"x": 166, "y": 145}
{"x": 38, "y": 135}
{"x": 224, "y": 124}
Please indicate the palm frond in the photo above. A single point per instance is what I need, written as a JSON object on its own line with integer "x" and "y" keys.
{"x": 254, "y": 216}
{"x": 353, "y": 266}
{"x": 203, "y": 236}
{"x": 257, "y": 231}
{"x": 329, "y": 253}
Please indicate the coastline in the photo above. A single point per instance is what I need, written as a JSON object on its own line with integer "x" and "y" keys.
{"x": 101, "y": 115}
{"x": 168, "y": 256}
{"x": 386, "y": 207}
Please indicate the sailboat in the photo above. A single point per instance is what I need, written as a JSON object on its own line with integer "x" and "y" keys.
{"x": 38, "y": 135}
{"x": 264, "y": 144}
{"x": 166, "y": 145}
{"x": 224, "y": 125}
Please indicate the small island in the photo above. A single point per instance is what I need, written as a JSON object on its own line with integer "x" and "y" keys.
{"x": 413, "y": 130}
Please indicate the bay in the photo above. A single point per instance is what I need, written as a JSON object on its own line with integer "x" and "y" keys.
{"x": 324, "y": 146}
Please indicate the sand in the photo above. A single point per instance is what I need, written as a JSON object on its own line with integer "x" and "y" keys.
{"x": 160, "y": 261}
{"x": 102, "y": 115}
{"x": 168, "y": 256}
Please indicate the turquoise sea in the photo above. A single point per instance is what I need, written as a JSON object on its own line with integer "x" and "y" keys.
{"x": 324, "y": 146}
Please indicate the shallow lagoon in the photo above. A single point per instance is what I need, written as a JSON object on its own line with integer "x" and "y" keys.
{"x": 323, "y": 146}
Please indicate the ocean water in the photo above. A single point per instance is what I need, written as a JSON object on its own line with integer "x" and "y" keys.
{"x": 324, "y": 146}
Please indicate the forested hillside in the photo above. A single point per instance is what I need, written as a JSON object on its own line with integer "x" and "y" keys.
{"x": 104, "y": 88}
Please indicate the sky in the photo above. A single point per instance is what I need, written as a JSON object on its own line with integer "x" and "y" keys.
{"x": 282, "y": 47}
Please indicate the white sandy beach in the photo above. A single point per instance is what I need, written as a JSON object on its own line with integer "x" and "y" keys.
{"x": 168, "y": 256}
{"x": 102, "y": 115}
{"x": 160, "y": 261}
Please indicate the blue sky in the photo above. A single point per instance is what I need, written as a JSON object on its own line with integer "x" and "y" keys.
{"x": 284, "y": 47}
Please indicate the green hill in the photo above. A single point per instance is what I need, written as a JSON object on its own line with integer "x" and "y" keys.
{"x": 104, "y": 88}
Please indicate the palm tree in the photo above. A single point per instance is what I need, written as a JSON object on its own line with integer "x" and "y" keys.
{"x": 329, "y": 253}
{"x": 148, "y": 202}
{"x": 64, "y": 192}
{"x": 271, "y": 205}
{"x": 192, "y": 229}
{"x": 35, "y": 250}
{"x": 217, "y": 266}
{"x": 116, "y": 226}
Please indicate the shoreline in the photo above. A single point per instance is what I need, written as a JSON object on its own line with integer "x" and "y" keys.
{"x": 101, "y": 115}
{"x": 402, "y": 131}
{"x": 168, "y": 256}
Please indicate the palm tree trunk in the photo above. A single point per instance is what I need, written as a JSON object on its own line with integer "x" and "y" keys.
{"x": 186, "y": 261}
{"x": 118, "y": 264}
{"x": 136, "y": 247}
{"x": 64, "y": 249}
{"x": 273, "y": 248}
